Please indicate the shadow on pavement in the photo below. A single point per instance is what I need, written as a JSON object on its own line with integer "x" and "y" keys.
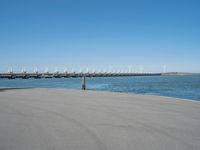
{"x": 7, "y": 89}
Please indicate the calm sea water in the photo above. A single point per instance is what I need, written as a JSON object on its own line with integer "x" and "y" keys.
{"x": 187, "y": 87}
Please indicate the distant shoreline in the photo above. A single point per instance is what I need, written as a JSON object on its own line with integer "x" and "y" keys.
{"x": 179, "y": 73}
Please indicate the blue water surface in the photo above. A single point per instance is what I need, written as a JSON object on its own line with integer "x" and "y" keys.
{"x": 186, "y": 87}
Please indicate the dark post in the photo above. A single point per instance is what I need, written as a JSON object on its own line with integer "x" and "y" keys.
{"x": 83, "y": 83}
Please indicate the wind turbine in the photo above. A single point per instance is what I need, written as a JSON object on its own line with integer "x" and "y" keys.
{"x": 129, "y": 69}
{"x": 87, "y": 70}
{"x": 164, "y": 68}
{"x": 141, "y": 69}
{"x": 80, "y": 70}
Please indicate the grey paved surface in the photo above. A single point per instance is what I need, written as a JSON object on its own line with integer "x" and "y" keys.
{"x": 50, "y": 119}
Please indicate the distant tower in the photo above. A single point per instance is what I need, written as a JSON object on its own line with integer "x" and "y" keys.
{"x": 129, "y": 69}
{"x": 87, "y": 70}
{"x": 164, "y": 68}
{"x": 141, "y": 69}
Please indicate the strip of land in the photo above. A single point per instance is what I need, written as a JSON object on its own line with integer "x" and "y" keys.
{"x": 58, "y": 119}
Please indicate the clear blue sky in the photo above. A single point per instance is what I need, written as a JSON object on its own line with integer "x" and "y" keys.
{"x": 100, "y": 34}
